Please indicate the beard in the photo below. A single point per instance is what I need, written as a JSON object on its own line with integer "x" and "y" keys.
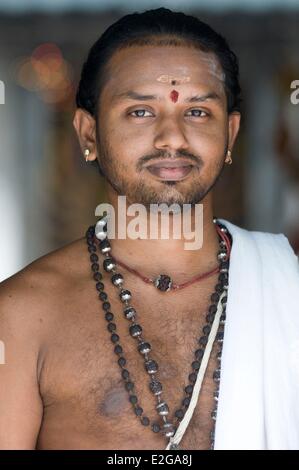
{"x": 142, "y": 190}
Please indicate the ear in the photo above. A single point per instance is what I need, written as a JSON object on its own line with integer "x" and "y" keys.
{"x": 234, "y": 119}
{"x": 85, "y": 126}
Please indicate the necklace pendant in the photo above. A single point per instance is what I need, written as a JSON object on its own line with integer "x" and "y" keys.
{"x": 163, "y": 282}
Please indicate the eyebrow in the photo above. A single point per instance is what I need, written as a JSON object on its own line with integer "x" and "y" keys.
{"x": 138, "y": 97}
{"x": 199, "y": 98}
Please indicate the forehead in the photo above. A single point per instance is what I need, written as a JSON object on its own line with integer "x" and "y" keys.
{"x": 145, "y": 65}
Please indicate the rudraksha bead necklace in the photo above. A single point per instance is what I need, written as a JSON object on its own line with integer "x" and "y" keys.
{"x": 167, "y": 427}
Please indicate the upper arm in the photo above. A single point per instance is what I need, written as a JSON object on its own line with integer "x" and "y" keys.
{"x": 21, "y": 406}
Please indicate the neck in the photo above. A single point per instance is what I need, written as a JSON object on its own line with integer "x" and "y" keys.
{"x": 172, "y": 255}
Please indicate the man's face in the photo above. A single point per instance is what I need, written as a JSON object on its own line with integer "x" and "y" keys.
{"x": 159, "y": 103}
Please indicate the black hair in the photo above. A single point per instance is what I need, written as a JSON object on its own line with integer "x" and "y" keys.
{"x": 155, "y": 27}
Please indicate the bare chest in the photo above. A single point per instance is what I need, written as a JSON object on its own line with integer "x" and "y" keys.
{"x": 86, "y": 400}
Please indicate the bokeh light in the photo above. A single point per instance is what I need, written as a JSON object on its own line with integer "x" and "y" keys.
{"x": 47, "y": 73}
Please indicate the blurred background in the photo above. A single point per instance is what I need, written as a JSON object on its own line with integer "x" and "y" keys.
{"x": 48, "y": 193}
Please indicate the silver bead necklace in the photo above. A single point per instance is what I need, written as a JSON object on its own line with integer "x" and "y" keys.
{"x": 97, "y": 235}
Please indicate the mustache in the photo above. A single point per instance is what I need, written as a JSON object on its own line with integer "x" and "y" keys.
{"x": 164, "y": 154}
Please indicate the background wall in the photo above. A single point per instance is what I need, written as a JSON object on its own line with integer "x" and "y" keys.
{"x": 48, "y": 194}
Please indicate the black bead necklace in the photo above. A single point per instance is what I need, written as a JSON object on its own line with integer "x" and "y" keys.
{"x": 166, "y": 427}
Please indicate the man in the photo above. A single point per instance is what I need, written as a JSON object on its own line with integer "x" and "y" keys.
{"x": 158, "y": 110}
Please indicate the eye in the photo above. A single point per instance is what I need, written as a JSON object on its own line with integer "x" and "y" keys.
{"x": 197, "y": 113}
{"x": 140, "y": 113}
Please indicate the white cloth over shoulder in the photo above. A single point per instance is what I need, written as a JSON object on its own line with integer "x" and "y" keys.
{"x": 258, "y": 405}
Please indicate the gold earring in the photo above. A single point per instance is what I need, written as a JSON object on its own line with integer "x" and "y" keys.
{"x": 86, "y": 154}
{"x": 228, "y": 158}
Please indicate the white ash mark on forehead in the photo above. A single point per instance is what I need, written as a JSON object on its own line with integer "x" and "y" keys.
{"x": 173, "y": 80}
{"x": 214, "y": 66}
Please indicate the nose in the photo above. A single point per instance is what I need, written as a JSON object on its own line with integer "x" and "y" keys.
{"x": 170, "y": 136}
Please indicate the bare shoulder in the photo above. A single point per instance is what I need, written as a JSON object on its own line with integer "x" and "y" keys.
{"x": 30, "y": 295}
{"x": 31, "y": 303}
{"x": 62, "y": 263}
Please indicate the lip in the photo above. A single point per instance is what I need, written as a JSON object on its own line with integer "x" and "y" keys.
{"x": 170, "y": 163}
{"x": 170, "y": 173}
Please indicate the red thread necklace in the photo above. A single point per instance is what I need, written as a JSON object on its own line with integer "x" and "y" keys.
{"x": 164, "y": 282}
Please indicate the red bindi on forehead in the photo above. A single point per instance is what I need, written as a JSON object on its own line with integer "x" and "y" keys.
{"x": 174, "y": 96}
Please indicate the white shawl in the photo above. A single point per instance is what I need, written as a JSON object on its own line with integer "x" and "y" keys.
{"x": 258, "y": 405}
